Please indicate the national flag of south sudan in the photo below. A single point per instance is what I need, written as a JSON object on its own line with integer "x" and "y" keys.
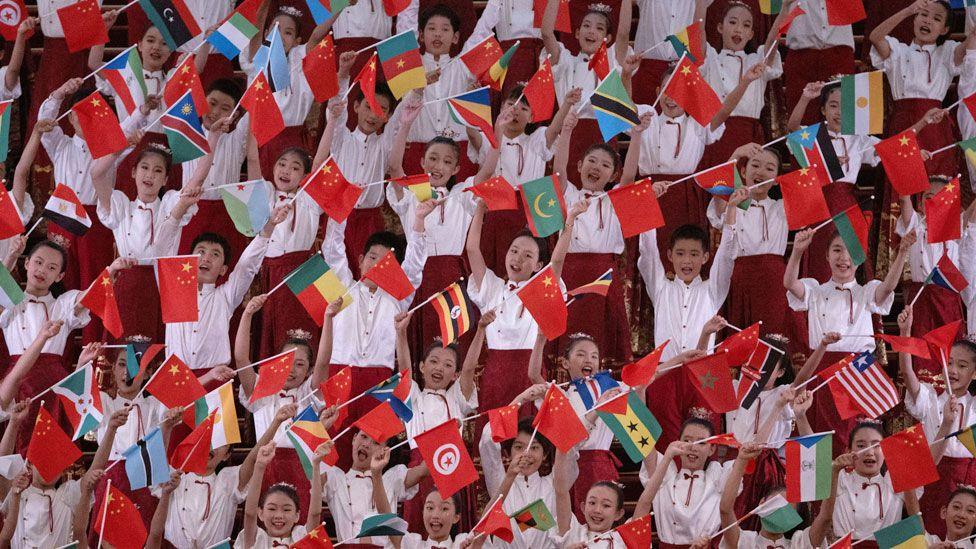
{"x": 637, "y": 429}
{"x": 615, "y": 111}
{"x": 454, "y": 312}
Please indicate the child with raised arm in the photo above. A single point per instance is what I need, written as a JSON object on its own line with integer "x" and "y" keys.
{"x": 658, "y": 20}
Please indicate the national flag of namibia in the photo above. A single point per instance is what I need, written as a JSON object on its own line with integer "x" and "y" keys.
{"x": 184, "y": 131}
{"x": 615, "y": 111}
{"x": 637, "y": 429}
{"x": 967, "y": 437}
{"x": 454, "y": 312}
{"x": 315, "y": 286}
{"x": 496, "y": 73}
{"x": 473, "y": 109}
{"x": 904, "y": 534}
{"x": 534, "y": 515}
{"x": 400, "y": 57}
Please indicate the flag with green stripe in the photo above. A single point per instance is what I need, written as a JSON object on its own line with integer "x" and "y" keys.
{"x": 636, "y": 428}
{"x": 614, "y": 109}
{"x": 904, "y": 534}
{"x": 534, "y": 515}
{"x": 808, "y": 467}
{"x": 10, "y": 292}
{"x": 967, "y": 437}
{"x": 853, "y": 230}
{"x": 316, "y": 285}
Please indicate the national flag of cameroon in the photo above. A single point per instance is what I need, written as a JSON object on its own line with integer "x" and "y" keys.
{"x": 534, "y": 515}
{"x": 904, "y": 534}
{"x": 614, "y": 109}
{"x": 496, "y": 73}
{"x": 853, "y": 230}
{"x": 544, "y": 207}
{"x": 400, "y": 57}
{"x": 454, "y": 312}
{"x": 862, "y": 103}
{"x": 316, "y": 285}
{"x": 637, "y": 429}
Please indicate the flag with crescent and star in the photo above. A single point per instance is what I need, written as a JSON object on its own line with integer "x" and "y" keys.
{"x": 173, "y": 19}
{"x": 447, "y": 458}
{"x": 545, "y": 209}
{"x": 177, "y": 279}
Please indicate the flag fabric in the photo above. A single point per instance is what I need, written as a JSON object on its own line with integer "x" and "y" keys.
{"x": 138, "y": 356}
{"x": 495, "y": 77}
{"x": 10, "y": 222}
{"x": 220, "y": 403}
{"x": 322, "y": 10}
{"x": 591, "y": 388}
{"x": 367, "y": 85}
{"x": 315, "y": 285}
{"x": 193, "y": 452}
{"x": 545, "y": 209}
{"x": 497, "y": 193}
{"x": 454, "y": 313}
{"x": 124, "y": 74}
{"x": 853, "y": 230}
{"x": 909, "y": 459}
{"x": 174, "y": 384}
{"x": 14, "y": 12}
{"x": 418, "y": 185}
{"x": 119, "y": 520}
{"x": 599, "y": 62}
{"x": 396, "y": 392}
{"x": 306, "y": 434}
{"x": 402, "y": 66}
{"x": 637, "y": 429}
{"x": 272, "y": 60}
{"x": 740, "y": 346}
{"x": 540, "y": 92}
{"x": 866, "y": 387}
{"x": 940, "y": 340}
{"x": 710, "y": 375}
{"x": 614, "y": 109}
{"x": 318, "y": 538}
{"x": 336, "y": 390}
{"x": 173, "y": 19}
{"x": 777, "y": 515}
{"x": 692, "y": 93}
{"x": 145, "y": 461}
{"x": 234, "y": 34}
{"x": 80, "y": 400}
{"x": 177, "y": 278}
{"x": 803, "y": 198}
{"x": 844, "y": 12}
{"x": 642, "y": 372}
{"x": 755, "y": 374}
{"x": 83, "y": 25}
{"x": 543, "y": 299}
{"x": 380, "y": 423}
{"x": 784, "y": 27}
{"x": 393, "y": 7}
{"x": 482, "y": 56}
{"x": 99, "y": 126}
{"x": 332, "y": 192}
{"x": 809, "y": 463}
{"x": 534, "y": 515}
{"x": 947, "y": 275}
{"x": 447, "y": 458}
{"x": 967, "y": 437}
{"x": 862, "y": 103}
{"x": 636, "y": 207}
{"x": 5, "y": 114}
{"x": 912, "y": 345}
{"x": 273, "y": 372}
{"x": 968, "y": 147}
{"x": 382, "y": 525}
{"x": 689, "y": 43}
{"x": 184, "y": 131}
{"x": 11, "y": 294}
{"x": 843, "y": 543}
{"x": 636, "y": 533}
{"x": 812, "y": 148}
{"x": 389, "y": 277}
{"x": 770, "y": 7}
{"x": 943, "y": 214}
{"x": 249, "y": 205}
{"x": 905, "y": 534}
{"x": 100, "y": 300}
{"x": 50, "y": 449}
{"x": 720, "y": 181}
{"x": 503, "y": 422}
{"x": 320, "y": 70}
{"x": 496, "y": 523}
{"x": 64, "y": 209}
{"x": 970, "y": 101}
{"x": 473, "y": 109}
{"x": 259, "y": 102}
{"x": 186, "y": 79}
{"x": 557, "y": 421}
{"x": 903, "y": 163}
{"x": 600, "y": 286}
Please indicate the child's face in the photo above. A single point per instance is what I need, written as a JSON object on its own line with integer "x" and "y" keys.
{"x": 687, "y": 256}
{"x": 762, "y": 167}
{"x": 366, "y": 262}
{"x": 299, "y": 370}
{"x": 289, "y": 171}
{"x": 601, "y": 509}
{"x": 221, "y": 105}
{"x": 44, "y": 267}
{"x": 367, "y": 121}
{"x": 736, "y": 28}
{"x": 150, "y": 176}
{"x": 960, "y": 516}
{"x": 362, "y": 451}
{"x": 669, "y": 107}
{"x": 842, "y": 267}
{"x": 931, "y": 23}
{"x": 439, "y": 516}
{"x": 699, "y": 454}
{"x": 522, "y": 259}
{"x": 217, "y": 457}
{"x": 536, "y": 453}
{"x": 935, "y": 185}
{"x": 831, "y": 110}
{"x": 439, "y": 35}
{"x": 212, "y": 261}
{"x": 278, "y": 514}
{"x": 592, "y": 32}
{"x": 441, "y": 163}
{"x": 962, "y": 368}
{"x": 153, "y": 50}
{"x": 583, "y": 359}
{"x": 522, "y": 115}
{"x": 288, "y": 30}
{"x": 120, "y": 373}
{"x": 596, "y": 169}
{"x": 439, "y": 369}
{"x": 867, "y": 463}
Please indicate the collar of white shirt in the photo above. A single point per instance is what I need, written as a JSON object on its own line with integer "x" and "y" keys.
{"x": 733, "y": 53}
{"x": 47, "y": 298}
{"x": 846, "y": 285}
{"x": 440, "y": 62}
{"x": 675, "y": 120}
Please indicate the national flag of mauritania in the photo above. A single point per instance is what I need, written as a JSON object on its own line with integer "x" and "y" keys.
{"x": 221, "y": 400}
{"x": 545, "y": 209}
{"x": 402, "y": 65}
{"x": 853, "y": 230}
{"x": 534, "y": 515}
{"x": 904, "y": 534}
{"x": 5, "y": 129}
{"x": 862, "y": 103}
{"x": 184, "y": 132}
{"x": 11, "y": 293}
{"x": 316, "y": 285}
{"x": 145, "y": 461}
{"x": 615, "y": 111}
{"x": 248, "y": 205}
{"x": 967, "y": 437}
{"x": 383, "y": 525}
{"x": 454, "y": 312}
{"x": 306, "y": 434}
{"x": 808, "y": 467}
{"x": 637, "y": 429}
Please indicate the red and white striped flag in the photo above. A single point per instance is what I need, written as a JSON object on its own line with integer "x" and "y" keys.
{"x": 863, "y": 388}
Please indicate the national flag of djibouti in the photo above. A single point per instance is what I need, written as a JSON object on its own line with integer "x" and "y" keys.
{"x": 248, "y": 204}
{"x": 862, "y": 103}
{"x": 808, "y": 467}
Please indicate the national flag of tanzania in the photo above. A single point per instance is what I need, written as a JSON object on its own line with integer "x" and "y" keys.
{"x": 248, "y": 205}
{"x": 273, "y": 61}
{"x": 637, "y": 429}
{"x": 145, "y": 461}
{"x": 615, "y": 111}
{"x": 590, "y": 389}
{"x": 183, "y": 130}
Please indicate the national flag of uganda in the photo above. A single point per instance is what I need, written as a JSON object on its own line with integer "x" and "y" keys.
{"x": 454, "y": 312}
{"x": 473, "y": 109}
{"x": 615, "y": 111}
{"x": 316, "y": 285}
{"x": 400, "y": 57}
{"x": 637, "y": 429}
{"x": 599, "y": 286}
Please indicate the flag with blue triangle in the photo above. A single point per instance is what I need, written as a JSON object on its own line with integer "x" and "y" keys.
{"x": 396, "y": 391}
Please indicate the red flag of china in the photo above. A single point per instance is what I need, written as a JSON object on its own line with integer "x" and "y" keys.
{"x": 177, "y": 280}
{"x": 380, "y": 423}
{"x": 336, "y": 390}
{"x": 636, "y": 533}
{"x": 83, "y": 25}
{"x": 100, "y": 300}
{"x": 741, "y": 345}
{"x": 911, "y": 345}
{"x": 711, "y": 376}
{"x": 174, "y": 384}
{"x": 497, "y": 193}
{"x": 259, "y": 102}
{"x": 642, "y": 372}
{"x": 446, "y": 457}
{"x": 600, "y": 63}
{"x": 940, "y": 340}
{"x": 943, "y": 214}
{"x": 636, "y": 207}
{"x": 193, "y": 452}
{"x": 803, "y": 198}
{"x": 389, "y": 276}
{"x": 367, "y": 85}
{"x": 970, "y": 102}
{"x": 844, "y": 12}
{"x": 689, "y": 90}
{"x": 557, "y": 420}
{"x": 543, "y": 299}
{"x": 319, "y": 66}
{"x": 50, "y": 449}
{"x": 563, "y": 22}
{"x": 503, "y": 422}
{"x": 332, "y": 192}
{"x": 120, "y": 521}
{"x": 99, "y": 126}
{"x": 186, "y": 79}
{"x": 902, "y": 161}
{"x": 393, "y": 7}
{"x": 495, "y": 523}
{"x": 909, "y": 459}
{"x": 480, "y": 58}
{"x": 272, "y": 374}
{"x": 540, "y": 92}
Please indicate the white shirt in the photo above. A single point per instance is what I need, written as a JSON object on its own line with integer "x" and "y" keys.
{"x": 349, "y": 496}
{"x": 207, "y": 13}
{"x": 296, "y": 233}
{"x": 745, "y": 423}
{"x": 434, "y": 407}
{"x": 26, "y": 211}
{"x": 155, "y": 81}
{"x": 264, "y": 409}
{"x": 933, "y": 539}
{"x": 600, "y": 436}
{"x": 435, "y": 119}
{"x": 686, "y": 505}
{"x": 369, "y": 20}
{"x": 510, "y": 19}
{"x": 144, "y": 230}
{"x": 580, "y": 533}
{"x": 658, "y": 19}
{"x": 414, "y": 541}
{"x": 145, "y": 414}
{"x": 364, "y": 331}
{"x": 927, "y": 408}
{"x": 724, "y": 69}
{"x": 922, "y": 256}
{"x": 446, "y": 229}
{"x": 514, "y": 327}
{"x": 965, "y": 87}
{"x": 857, "y": 149}
{"x": 915, "y": 71}
{"x": 760, "y": 230}
{"x": 597, "y": 230}
{"x": 968, "y": 269}
{"x": 228, "y": 155}
{"x": 573, "y": 71}
{"x": 5, "y": 94}
{"x": 681, "y": 310}
{"x": 297, "y": 99}
{"x": 674, "y": 145}
{"x": 862, "y": 501}
{"x": 842, "y": 308}
{"x": 188, "y": 523}
{"x": 206, "y": 342}
{"x": 521, "y": 158}
{"x": 812, "y": 30}
{"x": 262, "y": 540}
{"x": 45, "y": 515}
{"x": 363, "y": 158}
{"x": 22, "y": 323}
{"x": 749, "y": 539}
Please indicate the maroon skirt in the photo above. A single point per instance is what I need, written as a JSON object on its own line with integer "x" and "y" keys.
{"x": 282, "y": 311}
{"x": 823, "y": 414}
{"x": 750, "y": 299}
{"x": 521, "y": 67}
{"x": 125, "y": 182}
{"x": 139, "y": 303}
{"x": 936, "y": 307}
{"x": 57, "y": 66}
{"x": 360, "y": 225}
{"x": 603, "y": 318}
{"x": 812, "y": 65}
{"x": 952, "y": 473}
{"x": 594, "y": 466}
{"x": 933, "y": 136}
{"x": 361, "y": 379}
{"x": 685, "y": 203}
{"x": 504, "y": 377}
{"x": 291, "y": 136}
{"x": 499, "y": 230}
{"x": 739, "y": 130}
{"x": 586, "y": 133}
{"x": 212, "y": 217}
{"x": 839, "y": 196}
{"x": 143, "y": 499}
{"x": 440, "y": 271}
{"x": 46, "y": 371}
{"x": 285, "y": 467}
{"x": 648, "y": 79}
{"x": 414, "y": 155}
{"x": 672, "y": 400}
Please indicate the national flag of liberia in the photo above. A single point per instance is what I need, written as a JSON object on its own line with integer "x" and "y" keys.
{"x": 862, "y": 387}
{"x": 454, "y": 311}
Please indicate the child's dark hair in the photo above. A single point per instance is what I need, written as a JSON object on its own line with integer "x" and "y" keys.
{"x": 542, "y": 243}
{"x": 548, "y": 450}
{"x": 213, "y": 238}
{"x": 299, "y": 343}
{"x": 302, "y": 155}
{"x": 382, "y": 90}
{"x": 605, "y": 13}
{"x": 437, "y": 344}
{"x": 607, "y": 148}
{"x": 940, "y": 39}
{"x": 228, "y": 86}
{"x": 79, "y": 96}
{"x": 615, "y": 488}
{"x": 689, "y": 232}
{"x": 440, "y": 10}
{"x": 575, "y": 339}
{"x": 735, "y": 4}
{"x": 517, "y": 94}
{"x": 826, "y": 91}
{"x": 157, "y": 150}
{"x": 700, "y": 422}
{"x": 282, "y": 488}
{"x": 961, "y": 489}
{"x": 864, "y": 424}
{"x": 54, "y": 246}
{"x": 393, "y": 241}
{"x": 966, "y": 344}
{"x": 293, "y": 16}
{"x": 783, "y": 360}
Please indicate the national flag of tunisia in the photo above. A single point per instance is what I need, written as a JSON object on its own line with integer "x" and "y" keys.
{"x": 943, "y": 214}
{"x": 940, "y": 340}
{"x": 636, "y": 208}
{"x": 741, "y": 345}
{"x": 636, "y": 533}
{"x": 186, "y": 79}
{"x": 692, "y": 93}
{"x": 495, "y": 523}
{"x": 380, "y": 423}
{"x": 389, "y": 276}
{"x": 319, "y": 66}
{"x": 332, "y": 192}
{"x": 909, "y": 459}
{"x": 272, "y": 374}
{"x": 193, "y": 452}
{"x": 711, "y": 376}
{"x": 557, "y": 420}
{"x": 497, "y": 193}
{"x": 120, "y": 521}
{"x": 83, "y": 25}
{"x": 174, "y": 384}
{"x": 177, "y": 279}
{"x": 336, "y": 390}
{"x": 543, "y": 298}
{"x": 446, "y": 457}
{"x": 259, "y": 102}
{"x": 902, "y": 161}
{"x": 481, "y": 57}
{"x": 50, "y": 450}
{"x": 10, "y": 222}
{"x": 600, "y": 63}
{"x": 844, "y": 12}
{"x": 803, "y": 198}
{"x": 642, "y": 372}
{"x": 100, "y": 300}
{"x": 503, "y": 422}
{"x": 540, "y": 92}
{"x": 14, "y": 12}
{"x": 563, "y": 21}
{"x": 99, "y": 126}
{"x": 367, "y": 85}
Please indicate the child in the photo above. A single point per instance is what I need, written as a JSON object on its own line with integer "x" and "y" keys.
{"x": 157, "y": 528}
{"x": 13, "y": 380}
{"x": 278, "y": 506}
{"x": 362, "y": 24}
{"x": 658, "y": 20}
{"x": 965, "y": 87}
{"x": 10, "y": 74}
{"x": 22, "y": 201}
{"x": 841, "y": 305}
{"x": 440, "y": 519}
{"x": 967, "y": 248}
{"x": 959, "y": 516}
{"x": 512, "y": 21}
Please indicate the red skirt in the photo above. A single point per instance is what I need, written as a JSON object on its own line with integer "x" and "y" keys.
{"x": 952, "y": 473}
{"x": 139, "y": 303}
{"x": 360, "y": 225}
{"x": 57, "y": 66}
{"x": 497, "y": 234}
{"x": 362, "y": 378}
{"x": 812, "y": 65}
{"x": 521, "y": 67}
{"x": 413, "y": 509}
{"x": 48, "y": 370}
{"x": 143, "y": 498}
{"x": 672, "y": 400}
{"x": 686, "y": 204}
{"x": 285, "y": 467}
{"x": 933, "y": 136}
{"x": 936, "y": 307}
{"x": 739, "y": 130}
{"x": 594, "y": 466}
{"x": 414, "y": 154}
{"x": 603, "y": 318}
{"x": 648, "y": 79}
{"x": 503, "y": 378}
{"x": 440, "y": 271}
{"x": 127, "y": 184}
{"x": 282, "y": 311}
{"x": 586, "y": 133}
{"x": 750, "y": 299}
{"x": 217, "y": 67}
{"x": 291, "y": 136}
{"x": 839, "y": 197}
{"x": 211, "y": 217}
{"x": 823, "y": 414}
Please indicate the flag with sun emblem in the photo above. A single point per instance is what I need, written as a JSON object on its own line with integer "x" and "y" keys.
{"x": 543, "y": 299}
{"x": 544, "y": 207}
{"x": 447, "y": 458}
{"x": 177, "y": 280}
{"x": 183, "y": 130}
{"x": 80, "y": 400}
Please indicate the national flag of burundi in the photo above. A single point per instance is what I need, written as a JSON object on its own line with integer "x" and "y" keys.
{"x": 853, "y": 230}
{"x": 943, "y": 214}
{"x": 418, "y": 184}
{"x": 249, "y": 205}
{"x": 534, "y": 515}
{"x": 454, "y": 312}
{"x": 402, "y": 65}
{"x": 482, "y": 56}
{"x": 99, "y": 126}
{"x": 615, "y": 111}
{"x": 543, "y": 299}
{"x": 545, "y": 209}
{"x": 316, "y": 285}
{"x": 496, "y": 73}
{"x": 330, "y": 189}
{"x": 808, "y": 467}
{"x": 636, "y": 207}
{"x": 173, "y": 19}
{"x": 862, "y": 103}
{"x": 100, "y": 300}
{"x": 273, "y": 372}
{"x": 382, "y": 525}
{"x": 770, "y": 7}
{"x": 5, "y": 114}
{"x": 689, "y": 42}
{"x": 599, "y": 286}
{"x": 80, "y": 400}
{"x": 145, "y": 461}
{"x": 637, "y": 429}
{"x": 777, "y": 515}
{"x": 947, "y": 275}
{"x": 234, "y": 34}
{"x": 124, "y": 74}
{"x": 65, "y": 210}
{"x": 904, "y": 534}
{"x": 273, "y": 61}
{"x": 447, "y": 458}
{"x": 306, "y": 434}
{"x": 184, "y": 132}
{"x": 473, "y": 109}
{"x": 220, "y": 402}
{"x": 11, "y": 293}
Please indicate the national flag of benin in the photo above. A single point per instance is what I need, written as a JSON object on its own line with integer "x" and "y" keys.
{"x": 315, "y": 286}
{"x": 454, "y": 312}
{"x": 637, "y": 429}
{"x": 400, "y": 57}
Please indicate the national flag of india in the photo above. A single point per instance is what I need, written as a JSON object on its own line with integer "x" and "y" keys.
{"x": 221, "y": 399}
{"x": 862, "y": 103}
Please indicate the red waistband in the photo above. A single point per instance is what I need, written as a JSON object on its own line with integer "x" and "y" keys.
{"x": 918, "y": 103}
{"x": 290, "y": 257}
{"x": 762, "y": 259}
{"x": 816, "y": 51}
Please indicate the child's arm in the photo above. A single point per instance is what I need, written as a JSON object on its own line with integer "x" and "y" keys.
{"x": 10, "y": 385}
{"x": 473, "y": 244}
{"x": 766, "y": 427}
{"x": 487, "y": 168}
{"x": 117, "y": 419}
{"x": 26, "y": 28}
{"x": 253, "y": 164}
{"x": 21, "y": 482}
{"x": 217, "y": 129}
{"x": 622, "y": 42}
{"x": 560, "y": 158}
{"x": 890, "y": 282}
{"x": 26, "y": 162}
{"x": 18, "y": 413}
{"x": 261, "y": 16}
{"x": 470, "y": 365}
{"x": 248, "y": 468}
{"x": 535, "y": 360}
{"x": 378, "y": 462}
{"x": 629, "y": 172}
{"x": 815, "y": 357}
{"x": 566, "y": 106}
{"x": 908, "y": 375}
{"x": 732, "y": 99}
{"x": 332, "y": 120}
{"x": 402, "y": 322}
{"x": 409, "y": 113}
{"x": 96, "y": 54}
{"x": 674, "y": 450}
{"x": 711, "y": 327}
{"x": 646, "y": 499}
{"x": 879, "y": 36}
{"x": 810, "y": 92}
{"x": 315, "y": 490}
{"x": 791, "y": 278}
{"x": 242, "y": 343}
{"x": 821, "y": 524}
{"x": 548, "y": 30}
{"x": 323, "y": 357}
{"x": 566, "y": 237}
{"x": 562, "y": 483}
{"x": 730, "y": 492}
{"x": 157, "y": 528}
{"x": 250, "y": 530}
{"x": 938, "y": 446}
{"x": 81, "y": 514}
{"x": 907, "y": 210}
{"x": 801, "y": 403}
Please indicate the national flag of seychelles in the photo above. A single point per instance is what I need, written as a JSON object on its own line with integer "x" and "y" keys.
{"x": 534, "y": 515}
{"x": 249, "y": 205}
{"x": 145, "y": 461}
{"x": 808, "y": 467}
{"x": 80, "y": 400}
{"x": 637, "y": 429}
{"x": 336, "y": 390}
{"x": 50, "y": 449}
{"x": 540, "y": 92}
{"x": 907, "y": 533}
{"x": 235, "y": 33}
{"x": 321, "y": 73}
{"x": 100, "y": 300}
{"x": 184, "y": 132}
{"x": 272, "y": 60}
{"x": 273, "y": 372}
{"x": 83, "y": 25}
{"x": 482, "y": 56}
{"x": 614, "y": 109}
{"x": 473, "y": 109}
{"x": 400, "y": 57}
{"x": 947, "y": 275}
{"x": 306, "y": 434}
{"x": 173, "y": 19}
{"x": 315, "y": 285}
{"x": 331, "y": 191}
{"x": 943, "y": 214}
{"x": 903, "y": 163}
{"x": 174, "y": 384}
{"x": 10, "y": 222}
{"x": 600, "y": 286}
{"x": 497, "y": 193}
{"x": 844, "y": 12}
{"x": 503, "y": 422}
{"x": 692, "y": 93}
{"x": 853, "y": 230}
{"x": 65, "y": 210}
{"x": 260, "y": 103}
{"x": 495, "y": 77}
{"x": 447, "y": 458}
{"x": 99, "y": 126}
{"x": 124, "y": 74}
{"x": 544, "y": 207}
{"x": 454, "y": 313}
{"x": 186, "y": 79}
{"x": 862, "y": 103}
{"x": 636, "y": 207}
{"x": 380, "y": 423}
{"x": 5, "y": 114}
{"x": 177, "y": 278}
{"x": 689, "y": 42}
{"x": 908, "y": 459}
{"x": 389, "y": 277}
{"x": 119, "y": 521}
{"x": 543, "y": 299}
{"x": 803, "y": 198}
{"x": 642, "y": 372}
{"x": 710, "y": 375}
{"x": 557, "y": 421}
